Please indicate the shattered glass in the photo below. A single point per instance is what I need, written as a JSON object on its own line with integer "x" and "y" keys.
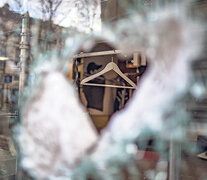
{"x": 56, "y": 136}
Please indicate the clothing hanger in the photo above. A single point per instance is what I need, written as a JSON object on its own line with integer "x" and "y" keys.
{"x": 110, "y": 66}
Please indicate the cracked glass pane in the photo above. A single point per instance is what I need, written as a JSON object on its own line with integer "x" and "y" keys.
{"x": 103, "y": 89}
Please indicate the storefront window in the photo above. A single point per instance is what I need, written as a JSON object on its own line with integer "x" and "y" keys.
{"x": 103, "y": 89}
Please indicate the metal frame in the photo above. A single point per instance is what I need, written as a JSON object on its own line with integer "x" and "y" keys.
{"x": 100, "y": 53}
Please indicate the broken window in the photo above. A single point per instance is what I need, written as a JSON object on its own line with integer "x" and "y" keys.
{"x": 103, "y": 89}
